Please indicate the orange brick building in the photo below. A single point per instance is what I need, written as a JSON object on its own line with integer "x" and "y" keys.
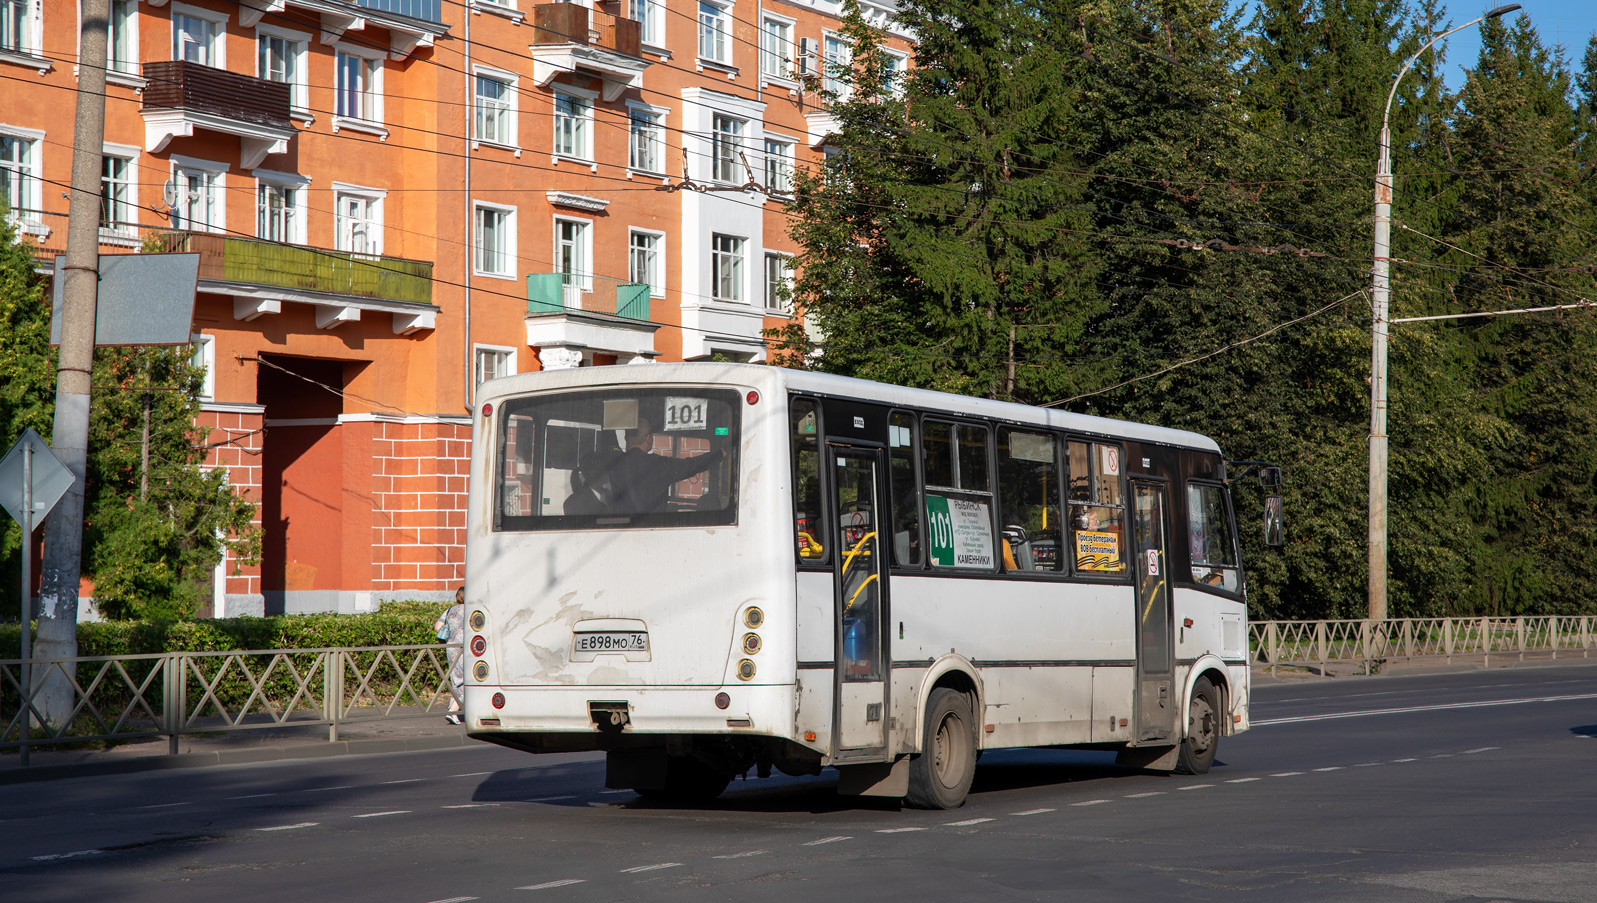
{"x": 396, "y": 199}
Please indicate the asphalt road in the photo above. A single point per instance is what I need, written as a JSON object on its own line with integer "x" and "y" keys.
{"x": 1442, "y": 787}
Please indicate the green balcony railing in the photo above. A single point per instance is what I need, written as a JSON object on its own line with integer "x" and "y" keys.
{"x": 548, "y": 293}
{"x": 225, "y": 258}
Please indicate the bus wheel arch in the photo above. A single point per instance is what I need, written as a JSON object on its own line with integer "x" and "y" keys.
{"x": 1202, "y": 725}
{"x": 954, "y": 672}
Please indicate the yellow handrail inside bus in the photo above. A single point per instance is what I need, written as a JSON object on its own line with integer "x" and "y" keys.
{"x": 849, "y": 559}
{"x": 812, "y": 548}
{"x": 857, "y": 592}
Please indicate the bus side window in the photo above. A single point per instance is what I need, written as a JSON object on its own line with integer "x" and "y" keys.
{"x": 958, "y": 496}
{"x": 905, "y": 490}
{"x": 1097, "y": 508}
{"x": 1028, "y": 501}
{"x": 809, "y": 532}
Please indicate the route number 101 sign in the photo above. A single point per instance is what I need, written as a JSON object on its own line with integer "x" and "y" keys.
{"x": 961, "y": 532}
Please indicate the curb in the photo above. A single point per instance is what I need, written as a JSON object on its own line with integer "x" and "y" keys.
{"x": 253, "y": 756}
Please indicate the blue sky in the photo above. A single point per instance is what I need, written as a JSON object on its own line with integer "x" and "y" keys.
{"x": 1566, "y": 22}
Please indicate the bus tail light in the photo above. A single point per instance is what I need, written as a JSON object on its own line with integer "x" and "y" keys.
{"x": 753, "y": 397}
{"x": 722, "y": 700}
{"x": 487, "y": 409}
{"x": 499, "y": 700}
{"x": 478, "y": 646}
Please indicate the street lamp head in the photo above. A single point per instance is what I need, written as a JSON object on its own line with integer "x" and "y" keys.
{"x": 1503, "y": 10}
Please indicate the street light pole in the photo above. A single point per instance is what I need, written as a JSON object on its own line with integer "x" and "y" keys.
{"x": 1380, "y": 292}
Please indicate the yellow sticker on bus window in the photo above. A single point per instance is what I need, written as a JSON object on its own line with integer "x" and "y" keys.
{"x": 1097, "y": 551}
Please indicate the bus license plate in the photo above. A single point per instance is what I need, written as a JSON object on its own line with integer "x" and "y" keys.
{"x": 628, "y": 641}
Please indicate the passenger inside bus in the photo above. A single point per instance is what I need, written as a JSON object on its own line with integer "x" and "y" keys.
{"x": 591, "y": 490}
{"x": 642, "y": 481}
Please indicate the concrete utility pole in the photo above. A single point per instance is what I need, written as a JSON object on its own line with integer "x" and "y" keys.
{"x": 63, "y": 538}
{"x": 1380, "y": 292}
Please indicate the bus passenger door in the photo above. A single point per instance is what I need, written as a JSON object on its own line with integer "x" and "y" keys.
{"x": 1156, "y": 703}
{"x": 860, "y": 728}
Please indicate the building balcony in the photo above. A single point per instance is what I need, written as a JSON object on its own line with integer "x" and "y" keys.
{"x": 568, "y": 326}
{"x": 182, "y": 97}
{"x": 568, "y": 38}
{"x": 262, "y": 275}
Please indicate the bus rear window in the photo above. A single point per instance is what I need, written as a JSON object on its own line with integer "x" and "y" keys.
{"x": 618, "y": 457}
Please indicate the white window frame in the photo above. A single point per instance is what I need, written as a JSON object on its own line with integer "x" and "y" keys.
{"x": 502, "y": 262}
{"x": 504, "y": 354}
{"x": 298, "y": 81}
{"x": 834, "y": 78}
{"x": 581, "y": 122}
{"x": 725, "y": 163}
{"x": 126, "y": 68}
{"x": 123, "y": 199}
{"x": 215, "y": 50}
{"x": 182, "y": 169}
{"x": 297, "y": 213}
{"x": 715, "y": 23}
{"x": 344, "y": 226}
{"x": 29, "y": 29}
{"x": 780, "y": 162}
{"x": 203, "y": 355}
{"x": 778, "y": 53}
{"x": 580, "y": 276}
{"x": 653, "y": 134}
{"x": 505, "y": 111}
{"x": 895, "y": 86}
{"x": 650, "y": 16}
{"x": 654, "y": 266}
{"x": 729, "y": 265}
{"x": 773, "y": 304}
{"x": 370, "y": 94}
{"x": 29, "y": 169}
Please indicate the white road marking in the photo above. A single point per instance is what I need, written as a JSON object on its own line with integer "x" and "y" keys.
{"x": 1193, "y": 787}
{"x": 1424, "y": 708}
{"x": 548, "y": 884}
{"x": 381, "y": 814}
{"x": 549, "y": 799}
{"x": 1443, "y": 756}
{"x": 1286, "y": 774}
{"x": 252, "y": 796}
{"x": 163, "y": 805}
{"x": 1471, "y": 752}
{"x": 1368, "y": 764}
{"x": 1330, "y": 768}
{"x": 72, "y": 855}
{"x": 456, "y": 900}
{"x": 1145, "y": 795}
{"x": 1032, "y": 812}
{"x": 325, "y": 789}
{"x": 473, "y": 774}
{"x": 968, "y": 821}
{"x": 303, "y": 824}
{"x": 1241, "y": 780}
{"x": 897, "y": 830}
{"x": 650, "y": 868}
{"x": 1091, "y": 802}
{"x": 742, "y": 855}
{"x": 408, "y": 781}
{"x": 468, "y": 806}
{"x": 608, "y": 792}
{"x": 816, "y": 843}
{"x": 1394, "y": 761}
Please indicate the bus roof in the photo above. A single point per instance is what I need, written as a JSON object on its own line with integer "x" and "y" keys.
{"x": 769, "y": 378}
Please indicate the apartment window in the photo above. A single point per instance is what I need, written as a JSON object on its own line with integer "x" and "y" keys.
{"x": 726, "y": 267}
{"x": 280, "y": 57}
{"x": 359, "y": 86}
{"x": 116, "y": 193}
{"x": 496, "y": 241}
{"x": 572, "y": 116}
{"x": 650, "y": 16}
{"x": 776, "y": 48}
{"x": 646, "y": 151}
{"x": 495, "y": 119}
{"x": 197, "y": 205}
{"x": 837, "y": 68}
{"x": 726, "y": 145}
{"x": 276, "y": 211}
{"x": 358, "y": 220}
{"x": 20, "y": 189}
{"x": 715, "y": 31}
{"x": 197, "y": 36}
{"x": 571, "y": 253}
{"x": 644, "y": 261}
{"x": 778, "y": 166}
{"x": 893, "y": 67}
{"x": 493, "y": 362}
{"x": 202, "y": 357}
{"x": 778, "y": 283}
{"x": 19, "y": 26}
{"x": 122, "y": 38}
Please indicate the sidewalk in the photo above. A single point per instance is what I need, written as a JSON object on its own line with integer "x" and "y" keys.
{"x": 1299, "y": 672}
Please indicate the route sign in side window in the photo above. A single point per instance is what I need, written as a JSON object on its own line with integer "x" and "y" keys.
{"x": 1097, "y": 508}
{"x": 959, "y": 516}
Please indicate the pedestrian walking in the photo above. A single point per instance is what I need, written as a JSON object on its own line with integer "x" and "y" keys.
{"x": 450, "y": 628}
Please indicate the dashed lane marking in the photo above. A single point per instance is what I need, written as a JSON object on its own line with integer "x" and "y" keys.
{"x": 1368, "y": 764}
{"x": 1033, "y": 812}
{"x": 468, "y": 806}
{"x": 456, "y": 900}
{"x": 968, "y": 821}
{"x": 72, "y": 855}
{"x": 743, "y": 855}
{"x": 1404, "y": 760}
{"x": 405, "y": 781}
{"x": 549, "y": 884}
{"x": 1194, "y": 787}
{"x": 816, "y": 843}
{"x": 251, "y": 796}
{"x": 325, "y": 789}
{"x": 1241, "y": 780}
{"x": 1424, "y": 708}
{"x": 472, "y": 774}
{"x": 609, "y": 792}
{"x": 1095, "y": 802}
{"x": 897, "y": 830}
{"x": 650, "y": 868}
{"x": 163, "y": 805}
{"x": 1331, "y": 768}
{"x": 1145, "y": 794}
{"x": 1286, "y": 774}
{"x": 303, "y": 824}
{"x": 549, "y": 799}
{"x": 381, "y": 814}
{"x": 1471, "y": 752}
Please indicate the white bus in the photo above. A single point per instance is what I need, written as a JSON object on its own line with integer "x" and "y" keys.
{"x": 703, "y": 569}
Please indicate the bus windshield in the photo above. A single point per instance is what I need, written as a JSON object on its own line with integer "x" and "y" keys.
{"x": 617, "y": 457}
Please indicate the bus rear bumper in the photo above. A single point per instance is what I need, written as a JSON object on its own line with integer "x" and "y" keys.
{"x": 591, "y": 711}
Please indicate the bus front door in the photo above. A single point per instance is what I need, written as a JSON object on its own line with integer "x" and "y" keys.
{"x": 1156, "y": 703}
{"x": 860, "y": 726}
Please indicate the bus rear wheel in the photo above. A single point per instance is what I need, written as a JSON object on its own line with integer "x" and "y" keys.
{"x": 1202, "y": 738}
{"x": 688, "y": 780}
{"x": 940, "y": 777}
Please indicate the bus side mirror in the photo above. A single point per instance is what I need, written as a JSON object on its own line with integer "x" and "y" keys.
{"x": 1274, "y": 521}
{"x": 1270, "y": 477}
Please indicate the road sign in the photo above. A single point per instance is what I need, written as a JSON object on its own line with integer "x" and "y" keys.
{"x": 144, "y": 299}
{"x": 51, "y": 478}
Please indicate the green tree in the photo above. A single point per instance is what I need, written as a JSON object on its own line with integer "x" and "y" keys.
{"x": 25, "y": 401}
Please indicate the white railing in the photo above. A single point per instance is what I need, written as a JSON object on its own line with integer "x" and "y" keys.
{"x": 1371, "y": 643}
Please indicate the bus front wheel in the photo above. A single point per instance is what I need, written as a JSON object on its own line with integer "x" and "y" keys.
{"x": 1203, "y": 730}
{"x": 939, "y": 778}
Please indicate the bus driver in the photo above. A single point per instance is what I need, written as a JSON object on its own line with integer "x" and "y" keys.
{"x": 642, "y": 481}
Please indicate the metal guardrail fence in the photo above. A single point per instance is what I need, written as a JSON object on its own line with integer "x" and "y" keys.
{"x": 1367, "y": 643}
{"x": 131, "y": 697}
